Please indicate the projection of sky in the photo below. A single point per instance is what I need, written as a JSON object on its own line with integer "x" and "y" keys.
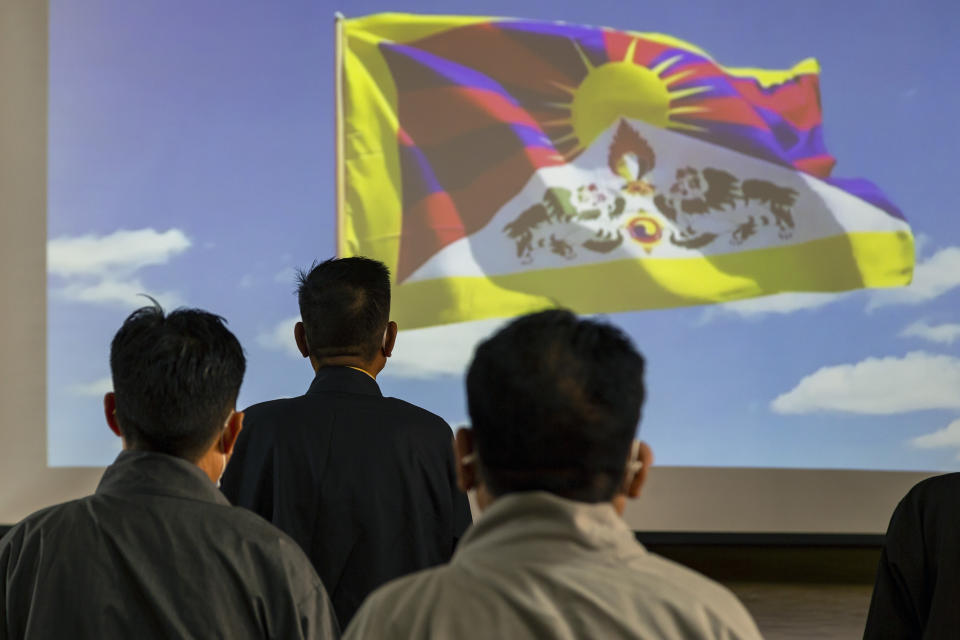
{"x": 191, "y": 157}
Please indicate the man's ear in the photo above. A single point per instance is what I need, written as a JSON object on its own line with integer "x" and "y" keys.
{"x": 300, "y": 335}
{"x": 465, "y": 457}
{"x": 638, "y": 465}
{"x": 110, "y": 412}
{"x": 389, "y": 339}
{"x": 231, "y": 431}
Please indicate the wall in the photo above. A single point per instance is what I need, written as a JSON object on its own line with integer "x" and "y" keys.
{"x": 25, "y": 483}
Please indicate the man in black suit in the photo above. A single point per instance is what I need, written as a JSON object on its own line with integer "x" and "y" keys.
{"x": 365, "y": 484}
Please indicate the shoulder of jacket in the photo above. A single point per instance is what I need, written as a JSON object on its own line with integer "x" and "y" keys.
{"x": 416, "y": 413}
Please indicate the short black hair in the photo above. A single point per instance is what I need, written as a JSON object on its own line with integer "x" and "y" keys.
{"x": 344, "y": 306}
{"x": 554, "y": 402}
{"x": 176, "y": 378}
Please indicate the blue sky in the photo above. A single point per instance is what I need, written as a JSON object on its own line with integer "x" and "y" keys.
{"x": 191, "y": 156}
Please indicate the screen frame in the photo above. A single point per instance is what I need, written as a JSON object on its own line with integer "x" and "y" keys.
{"x": 696, "y": 500}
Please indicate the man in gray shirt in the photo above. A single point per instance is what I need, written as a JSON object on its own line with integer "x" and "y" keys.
{"x": 157, "y": 551}
{"x": 554, "y": 403}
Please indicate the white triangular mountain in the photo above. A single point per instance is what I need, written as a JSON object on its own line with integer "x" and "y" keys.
{"x": 697, "y": 200}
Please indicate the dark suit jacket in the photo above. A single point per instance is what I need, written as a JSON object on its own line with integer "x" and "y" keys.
{"x": 365, "y": 484}
{"x": 917, "y": 593}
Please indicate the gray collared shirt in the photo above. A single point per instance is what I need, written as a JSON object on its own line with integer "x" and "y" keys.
{"x": 539, "y": 566}
{"x": 156, "y": 552}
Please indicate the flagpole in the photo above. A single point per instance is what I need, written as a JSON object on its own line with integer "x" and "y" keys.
{"x": 339, "y": 144}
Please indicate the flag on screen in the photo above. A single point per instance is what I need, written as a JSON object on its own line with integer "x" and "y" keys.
{"x": 502, "y": 166}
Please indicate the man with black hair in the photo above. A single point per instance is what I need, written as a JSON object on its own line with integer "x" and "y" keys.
{"x": 157, "y": 551}
{"x": 366, "y": 484}
{"x": 554, "y": 402}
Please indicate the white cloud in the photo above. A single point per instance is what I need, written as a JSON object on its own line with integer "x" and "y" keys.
{"x": 440, "y": 351}
{"x": 921, "y": 242}
{"x": 932, "y": 278}
{"x": 781, "y": 303}
{"x": 121, "y": 252}
{"x": 419, "y": 353}
{"x": 95, "y": 388}
{"x": 941, "y": 333}
{"x": 280, "y": 337}
{"x": 457, "y": 424}
{"x": 287, "y": 276}
{"x": 103, "y": 270}
{"x": 949, "y": 436}
{"x": 888, "y": 385}
{"x": 119, "y": 293}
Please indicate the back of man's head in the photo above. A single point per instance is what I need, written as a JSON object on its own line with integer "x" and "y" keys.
{"x": 345, "y": 307}
{"x": 176, "y": 379}
{"x": 554, "y": 403}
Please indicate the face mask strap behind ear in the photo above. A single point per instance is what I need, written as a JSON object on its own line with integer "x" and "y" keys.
{"x": 634, "y": 465}
{"x": 383, "y": 340}
{"x": 223, "y": 455}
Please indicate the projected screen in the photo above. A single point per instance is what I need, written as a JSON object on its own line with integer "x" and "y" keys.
{"x": 191, "y": 158}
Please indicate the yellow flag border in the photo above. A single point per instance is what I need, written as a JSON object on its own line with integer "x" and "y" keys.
{"x": 874, "y": 259}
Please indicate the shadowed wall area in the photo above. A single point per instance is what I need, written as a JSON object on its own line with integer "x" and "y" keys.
{"x": 794, "y": 586}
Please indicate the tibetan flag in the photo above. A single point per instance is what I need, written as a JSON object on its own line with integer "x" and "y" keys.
{"x": 502, "y": 166}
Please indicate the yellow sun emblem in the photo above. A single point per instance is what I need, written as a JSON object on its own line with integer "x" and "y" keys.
{"x": 623, "y": 89}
